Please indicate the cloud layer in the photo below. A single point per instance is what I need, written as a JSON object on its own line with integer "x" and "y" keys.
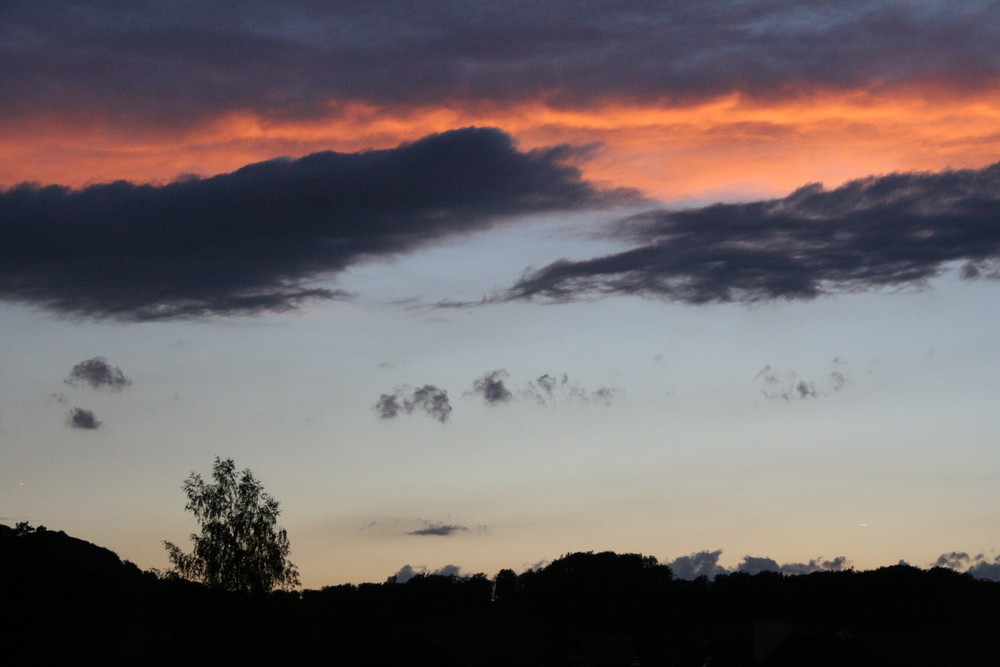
{"x": 886, "y": 232}
{"x": 145, "y": 64}
{"x": 259, "y": 238}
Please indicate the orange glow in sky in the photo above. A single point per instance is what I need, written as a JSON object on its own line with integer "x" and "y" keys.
{"x": 727, "y": 148}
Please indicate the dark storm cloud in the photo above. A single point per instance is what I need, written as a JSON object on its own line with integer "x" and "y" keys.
{"x": 255, "y": 239}
{"x": 145, "y": 62}
{"x": 80, "y": 418}
{"x": 886, "y": 232}
{"x": 440, "y": 529}
{"x": 491, "y": 387}
{"x": 428, "y": 398}
{"x": 99, "y": 374}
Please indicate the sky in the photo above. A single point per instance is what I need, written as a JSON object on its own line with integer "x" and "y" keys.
{"x": 473, "y": 285}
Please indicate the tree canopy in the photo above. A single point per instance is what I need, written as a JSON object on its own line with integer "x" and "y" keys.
{"x": 240, "y": 548}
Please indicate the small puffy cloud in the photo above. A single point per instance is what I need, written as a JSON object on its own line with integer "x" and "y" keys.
{"x": 388, "y": 406}
{"x": 491, "y": 387}
{"x": 706, "y": 563}
{"x": 956, "y": 560}
{"x": 817, "y": 565}
{"x": 978, "y": 566}
{"x": 99, "y": 374}
{"x": 80, "y": 418}
{"x": 428, "y": 399}
{"x": 439, "y": 529}
{"x": 699, "y": 564}
{"x": 449, "y": 571}
{"x": 755, "y": 565}
{"x": 408, "y": 572}
{"x": 984, "y": 569}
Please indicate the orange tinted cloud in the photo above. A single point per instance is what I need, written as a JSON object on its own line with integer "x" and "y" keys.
{"x": 727, "y": 148}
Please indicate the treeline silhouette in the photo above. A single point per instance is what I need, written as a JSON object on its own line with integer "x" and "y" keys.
{"x": 69, "y": 602}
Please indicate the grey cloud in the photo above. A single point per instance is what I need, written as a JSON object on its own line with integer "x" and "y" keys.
{"x": 978, "y": 566}
{"x": 548, "y": 389}
{"x": 428, "y": 398}
{"x": 408, "y": 572}
{"x": 439, "y": 529}
{"x": 449, "y": 571}
{"x": 816, "y": 565}
{"x": 755, "y": 565}
{"x": 877, "y": 233}
{"x": 145, "y": 63}
{"x": 388, "y": 405}
{"x": 700, "y": 564}
{"x": 788, "y": 385}
{"x": 491, "y": 387}
{"x": 99, "y": 374}
{"x": 80, "y": 418}
{"x": 984, "y": 569}
{"x": 706, "y": 564}
{"x": 956, "y": 560}
{"x": 259, "y": 239}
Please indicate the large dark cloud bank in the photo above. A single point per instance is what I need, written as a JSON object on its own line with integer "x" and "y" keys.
{"x": 256, "y": 239}
{"x": 144, "y": 63}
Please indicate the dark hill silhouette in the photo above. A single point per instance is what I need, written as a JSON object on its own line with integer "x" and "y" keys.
{"x": 70, "y": 602}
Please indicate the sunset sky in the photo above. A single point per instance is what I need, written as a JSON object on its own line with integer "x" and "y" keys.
{"x": 472, "y": 285}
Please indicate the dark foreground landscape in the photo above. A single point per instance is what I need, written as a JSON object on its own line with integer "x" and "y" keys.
{"x": 70, "y": 602}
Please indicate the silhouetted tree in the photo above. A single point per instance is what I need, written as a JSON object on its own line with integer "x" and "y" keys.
{"x": 239, "y": 548}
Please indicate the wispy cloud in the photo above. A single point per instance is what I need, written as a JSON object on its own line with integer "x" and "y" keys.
{"x": 546, "y": 389}
{"x": 438, "y": 529}
{"x": 788, "y": 385}
{"x": 882, "y": 232}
